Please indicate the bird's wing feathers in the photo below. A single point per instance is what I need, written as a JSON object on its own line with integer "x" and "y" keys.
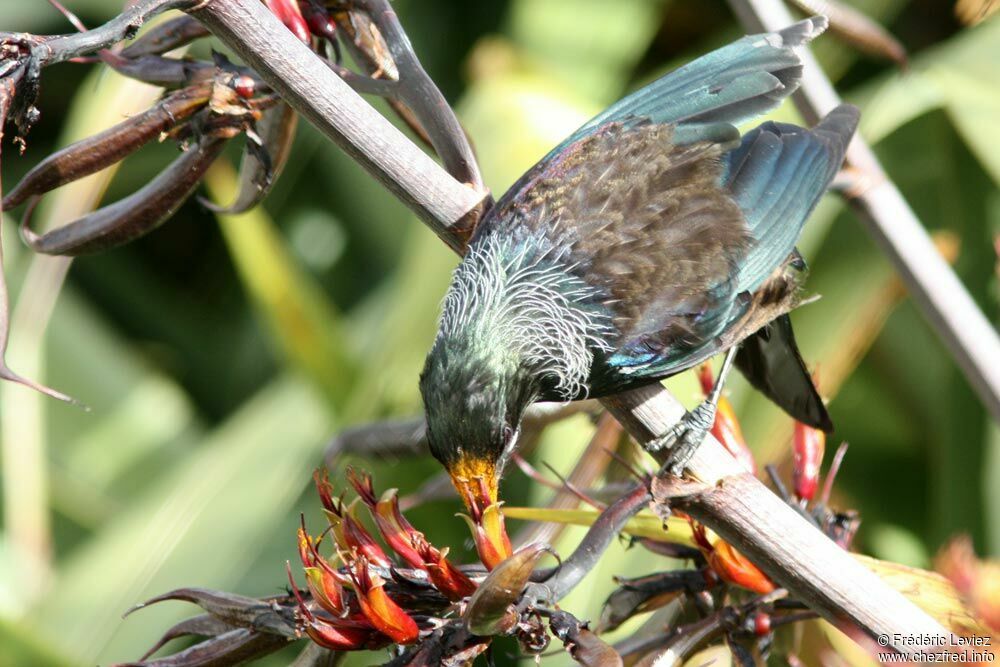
{"x": 776, "y": 176}
{"x": 731, "y": 85}
{"x": 771, "y": 361}
{"x": 704, "y": 99}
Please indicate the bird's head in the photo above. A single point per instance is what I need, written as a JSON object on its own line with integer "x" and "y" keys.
{"x": 474, "y": 399}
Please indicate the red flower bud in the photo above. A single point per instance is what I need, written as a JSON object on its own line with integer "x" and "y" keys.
{"x": 351, "y": 536}
{"x": 288, "y": 12}
{"x": 761, "y": 624}
{"x": 346, "y": 638}
{"x": 244, "y": 86}
{"x": 325, "y": 491}
{"x": 398, "y": 533}
{"x": 319, "y": 20}
{"x": 808, "y": 446}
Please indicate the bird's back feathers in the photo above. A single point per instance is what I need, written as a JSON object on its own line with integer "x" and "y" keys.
{"x": 684, "y": 232}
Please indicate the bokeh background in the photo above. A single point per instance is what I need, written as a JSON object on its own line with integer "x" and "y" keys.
{"x": 218, "y": 355}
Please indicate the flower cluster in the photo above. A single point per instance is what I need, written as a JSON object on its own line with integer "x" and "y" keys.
{"x": 363, "y": 597}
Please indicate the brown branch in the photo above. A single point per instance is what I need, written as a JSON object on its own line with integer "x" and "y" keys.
{"x": 65, "y": 47}
{"x": 779, "y": 541}
{"x": 741, "y": 510}
{"x": 931, "y": 282}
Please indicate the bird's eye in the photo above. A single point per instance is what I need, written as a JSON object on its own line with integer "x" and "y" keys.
{"x": 509, "y": 441}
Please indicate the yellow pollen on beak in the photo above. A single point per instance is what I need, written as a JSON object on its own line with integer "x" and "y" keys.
{"x": 476, "y": 482}
{"x": 475, "y": 479}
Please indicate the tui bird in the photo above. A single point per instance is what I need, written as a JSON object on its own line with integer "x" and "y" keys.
{"x": 653, "y": 238}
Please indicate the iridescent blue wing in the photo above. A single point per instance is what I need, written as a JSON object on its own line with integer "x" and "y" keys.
{"x": 777, "y": 176}
{"x": 771, "y": 361}
{"x": 731, "y": 85}
{"x": 703, "y": 99}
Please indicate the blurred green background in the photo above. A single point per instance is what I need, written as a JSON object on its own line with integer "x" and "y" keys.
{"x": 218, "y": 356}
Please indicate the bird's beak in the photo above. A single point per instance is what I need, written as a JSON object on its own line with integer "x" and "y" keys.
{"x": 476, "y": 483}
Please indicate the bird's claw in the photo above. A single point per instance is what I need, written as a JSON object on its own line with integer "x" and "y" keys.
{"x": 683, "y": 438}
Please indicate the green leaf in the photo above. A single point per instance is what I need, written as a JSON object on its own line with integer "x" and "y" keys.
{"x": 18, "y": 647}
{"x": 962, "y": 76}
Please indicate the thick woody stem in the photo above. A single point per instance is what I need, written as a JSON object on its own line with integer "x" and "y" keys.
{"x": 780, "y": 541}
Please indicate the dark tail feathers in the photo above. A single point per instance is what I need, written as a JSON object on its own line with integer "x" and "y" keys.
{"x": 771, "y": 361}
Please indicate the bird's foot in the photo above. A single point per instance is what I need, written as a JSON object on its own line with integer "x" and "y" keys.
{"x": 683, "y": 438}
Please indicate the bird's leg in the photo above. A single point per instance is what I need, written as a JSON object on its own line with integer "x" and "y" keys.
{"x": 683, "y": 438}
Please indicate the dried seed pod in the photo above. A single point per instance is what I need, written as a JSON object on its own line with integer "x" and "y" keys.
{"x": 230, "y": 608}
{"x": 637, "y": 596}
{"x": 166, "y": 36}
{"x": 160, "y": 71}
{"x": 490, "y": 609}
{"x": 135, "y": 215}
{"x": 94, "y": 153}
{"x": 262, "y": 163}
{"x": 368, "y": 44}
{"x": 584, "y": 646}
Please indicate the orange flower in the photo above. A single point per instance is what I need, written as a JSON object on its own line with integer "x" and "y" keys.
{"x": 976, "y": 580}
{"x": 380, "y": 609}
{"x": 338, "y": 635}
{"x": 729, "y": 564}
{"x": 489, "y": 533}
{"x": 323, "y": 581}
